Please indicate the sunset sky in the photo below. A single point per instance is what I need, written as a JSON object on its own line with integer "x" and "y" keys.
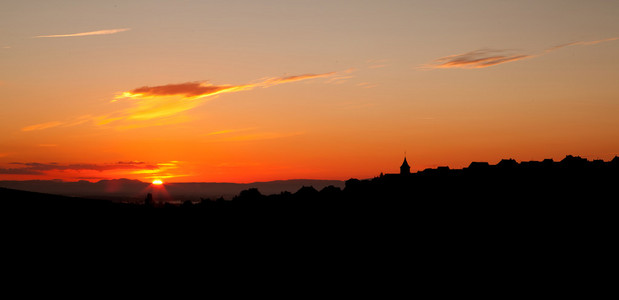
{"x": 243, "y": 91}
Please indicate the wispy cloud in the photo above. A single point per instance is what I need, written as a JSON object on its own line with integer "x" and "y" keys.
{"x": 131, "y": 162}
{"x": 47, "y": 125}
{"x": 581, "y": 43}
{"x": 41, "y": 126}
{"x": 377, "y": 66}
{"x": 201, "y": 89}
{"x": 367, "y": 85}
{"x": 377, "y": 63}
{"x": 227, "y": 131}
{"x": 166, "y": 103}
{"x": 41, "y": 167}
{"x": 339, "y": 79}
{"x": 260, "y": 136}
{"x": 98, "y": 32}
{"x": 162, "y": 171}
{"x": 34, "y": 168}
{"x": 20, "y": 171}
{"x": 148, "y": 170}
{"x": 484, "y": 58}
{"x": 247, "y": 134}
{"x": 187, "y": 90}
{"x": 279, "y": 80}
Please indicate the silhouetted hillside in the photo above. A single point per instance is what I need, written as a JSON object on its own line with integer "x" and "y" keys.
{"x": 134, "y": 191}
{"x": 109, "y": 189}
{"x": 508, "y": 193}
{"x": 569, "y": 179}
{"x": 513, "y": 216}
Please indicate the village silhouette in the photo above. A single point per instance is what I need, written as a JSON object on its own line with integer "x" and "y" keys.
{"x": 500, "y": 220}
{"x": 508, "y": 188}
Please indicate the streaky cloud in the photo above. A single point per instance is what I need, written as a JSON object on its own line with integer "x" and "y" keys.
{"x": 339, "y": 79}
{"x": 581, "y": 43}
{"x": 484, "y": 58}
{"x": 260, "y": 136}
{"x": 367, "y": 85}
{"x": 20, "y": 171}
{"x": 377, "y": 66}
{"x": 160, "y": 170}
{"x": 42, "y": 167}
{"x": 98, "y": 32}
{"x": 131, "y": 162}
{"x": 42, "y": 126}
{"x": 188, "y": 89}
{"x": 201, "y": 89}
{"x": 227, "y": 131}
{"x": 167, "y": 103}
{"x": 47, "y": 125}
{"x": 280, "y": 80}
{"x": 481, "y": 58}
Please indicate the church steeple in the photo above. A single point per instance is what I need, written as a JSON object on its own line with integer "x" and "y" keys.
{"x": 405, "y": 168}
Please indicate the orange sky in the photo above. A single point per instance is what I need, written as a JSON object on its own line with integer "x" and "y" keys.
{"x": 245, "y": 91}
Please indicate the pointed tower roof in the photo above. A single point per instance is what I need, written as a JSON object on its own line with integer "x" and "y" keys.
{"x": 405, "y": 163}
{"x": 405, "y": 168}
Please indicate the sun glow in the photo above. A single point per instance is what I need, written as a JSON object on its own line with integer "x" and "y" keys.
{"x": 157, "y": 182}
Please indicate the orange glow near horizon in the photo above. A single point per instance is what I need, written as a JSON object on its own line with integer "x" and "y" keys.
{"x": 157, "y": 182}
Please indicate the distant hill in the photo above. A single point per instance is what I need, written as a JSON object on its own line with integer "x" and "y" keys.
{"x": 135, "y": 190}
{"x": 572, "y": 193}
{"x": 573, "y": 176}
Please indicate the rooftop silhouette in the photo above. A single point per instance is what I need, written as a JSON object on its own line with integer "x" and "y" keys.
{"x": 405, "y": 169}
{"x": 439, "y": 207}
{"x": 509, "y": 182}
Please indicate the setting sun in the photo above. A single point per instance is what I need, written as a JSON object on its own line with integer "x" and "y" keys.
{"x": 157, "y": 182}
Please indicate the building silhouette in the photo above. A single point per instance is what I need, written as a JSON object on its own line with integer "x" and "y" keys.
{"x": 405, "y": 169}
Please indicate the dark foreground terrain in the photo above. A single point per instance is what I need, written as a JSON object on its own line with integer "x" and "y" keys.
{"x": 573, "y": 194}
{"x": 511, "y": 193}
{"x": 505, "y": 230}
